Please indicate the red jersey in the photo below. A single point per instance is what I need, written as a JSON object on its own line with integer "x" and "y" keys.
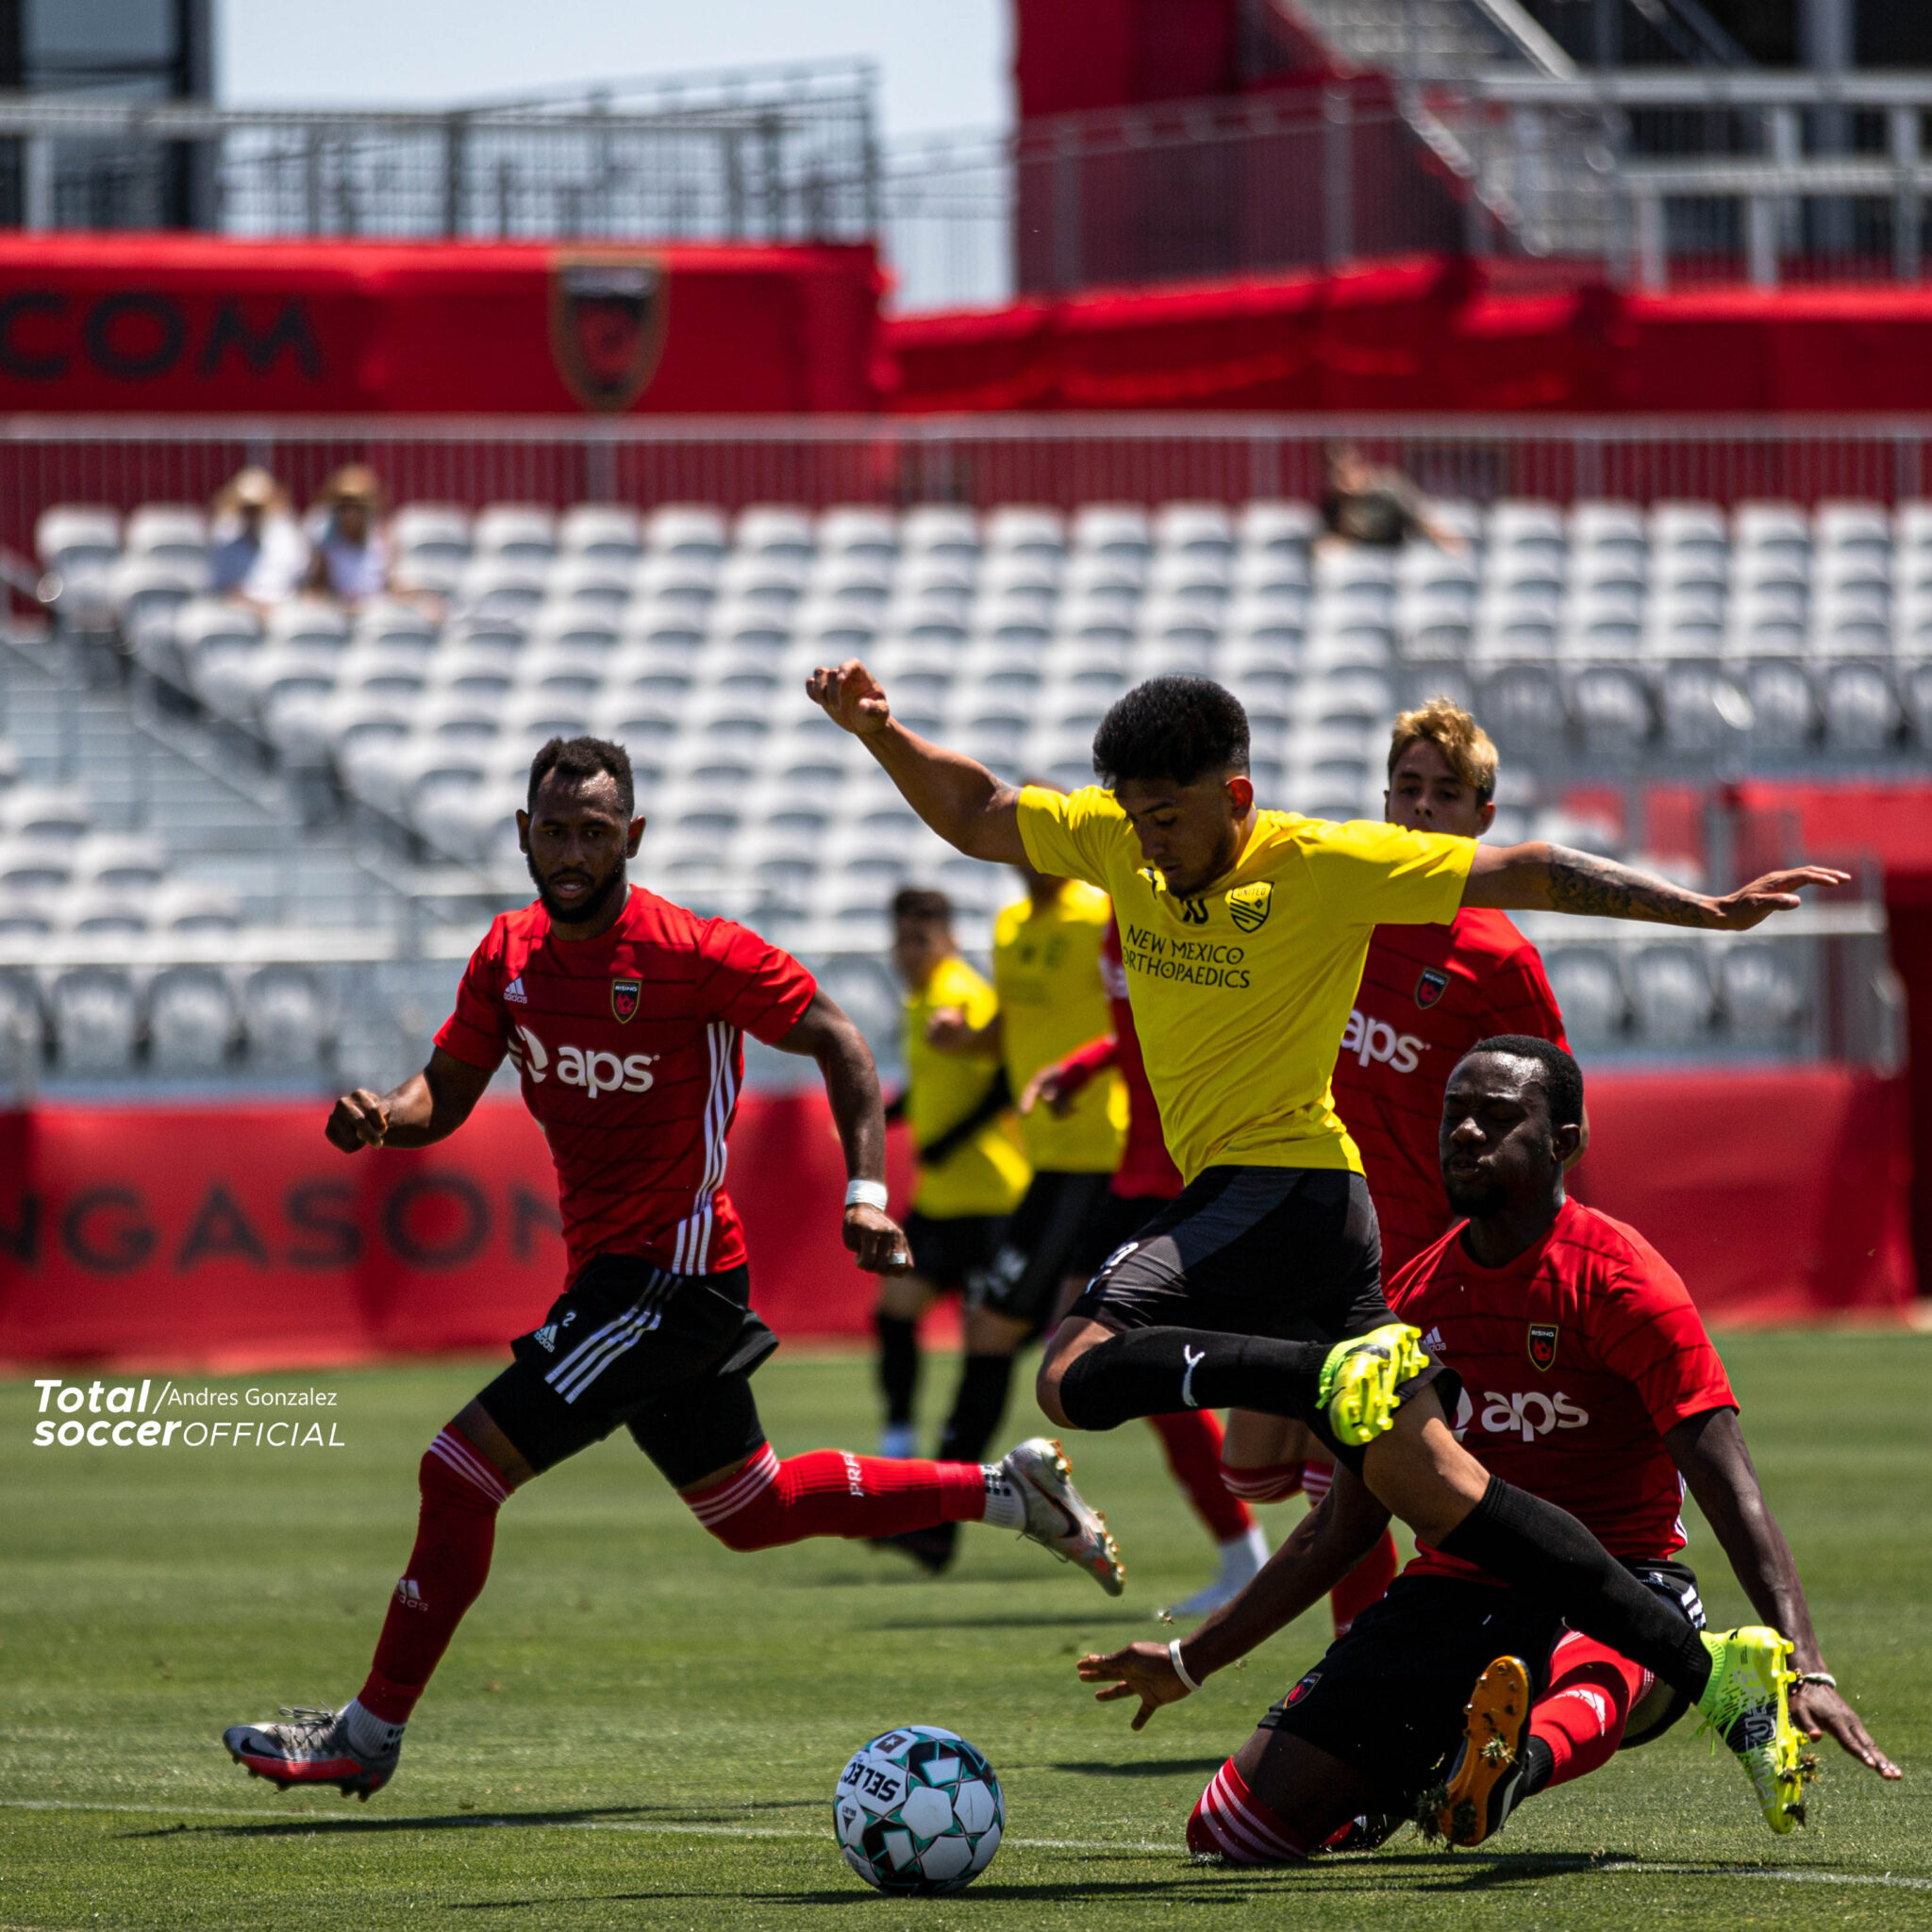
{"x": 1146, "y": 1169}
{"x": 631, "y": 1051}
{"x": 1575, "y": 1357}
{"x": 1429, "y": 993}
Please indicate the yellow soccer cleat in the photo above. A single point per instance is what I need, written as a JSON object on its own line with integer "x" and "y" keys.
{"x": 1746, "y": 1702}
{"x": 1361, "y": 1376}
{"x": 1488, "y": 1778}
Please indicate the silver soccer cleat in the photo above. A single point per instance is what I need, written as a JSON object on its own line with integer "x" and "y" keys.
{"x": 312, "y": 1748}
{"x": 1059, "y": 1516}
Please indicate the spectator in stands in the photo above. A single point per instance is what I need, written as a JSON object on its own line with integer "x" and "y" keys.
{"x": 1366, "y": 504}
{"x": 258, "y": 554}
{"x": 351, "y": 562}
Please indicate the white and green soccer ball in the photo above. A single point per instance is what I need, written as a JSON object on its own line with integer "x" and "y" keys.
{"x": 918, "y": 1811}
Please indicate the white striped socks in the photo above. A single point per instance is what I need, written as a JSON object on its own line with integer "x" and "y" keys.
{"x": 462, "y": 1456}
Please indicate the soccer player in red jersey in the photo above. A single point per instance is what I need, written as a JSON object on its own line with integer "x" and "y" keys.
{"x": 1427, "y": 995}
{"x": 624, "y": 1014}
{"x": 1145, "y": 1179}
{"x": 1587, "y": 1378}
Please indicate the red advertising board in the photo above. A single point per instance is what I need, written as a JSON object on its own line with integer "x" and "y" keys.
{"x": 236, "y": 1238}
{"x": 168, "y": 323}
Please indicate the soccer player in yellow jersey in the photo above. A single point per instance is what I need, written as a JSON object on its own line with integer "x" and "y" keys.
{"x": 1243, "y": 935}
{"x": 970, "y": 1172}
{"x": 1050, "y": 999}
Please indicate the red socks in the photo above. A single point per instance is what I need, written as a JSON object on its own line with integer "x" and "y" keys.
{"x": 1580, "y": 1719}
{"x": 1191, "y": 1438}
{"x": 455, "y": 1533}
{"x": 1267, "y": 1482}
{"x": 1230, "y": 1822}
{"x": 832, "y": 1493}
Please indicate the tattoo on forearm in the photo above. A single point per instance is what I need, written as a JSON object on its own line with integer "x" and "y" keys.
{"x": 1581, "y": 882}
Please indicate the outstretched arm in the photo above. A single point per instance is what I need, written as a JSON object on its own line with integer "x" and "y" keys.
{"x": 1710, "y": 1450}
{"x": 960, "y": 799}
{"x": 428, "y": 1107}
{"x": 824, "y": 1032}
{"x": 1538, "y": 878}
{"x": 1324, "y": 1547}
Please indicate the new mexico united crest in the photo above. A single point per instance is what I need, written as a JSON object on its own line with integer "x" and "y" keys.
{"x": 627, "y": 996}
{"x": 606, "y": 326}
{"x": 1247, "y": 906}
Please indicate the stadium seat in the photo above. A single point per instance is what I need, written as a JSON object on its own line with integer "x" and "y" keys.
{"x": 1118, "y": 532}
{"x": 284, "y": 1017}
{"x": 20, "y": 1023}
{"x": 1858, "y": 709}
{"x": 1762, "y": 993}
{"x": 32, "y": 871}
{"x": 1201, "y": 578}
{"x": 119, "y": 861}
{"x": 686, "y": 531}
{"x": 939, "y": 531}
{"x": 167, "y": 533}
{"x": 775, "y": 533}
{"x": 1269, "y": 528}
{"x": 290, "y": 692}
{"x": 860, "y": 532}
{"x": 95, "y": 1017}
{"x": 680, "y": 583}
{"x": 78, "y": 540}
{"x": 608, "y": 534}
{"x": 191, "y": 1019}
{"x": 502, "y": 588}
{"x": 518, "y": 533}
{"x": 593, "y": 585}
{"x": 146, "y": 594}
{"x": 214, "y": 643}
{"x": 1020, "y": 530}
{"x": 430, "y": 545}
{"x": 1589, "y": 990}
{"x": 55, "y": 816}
{"x": 1670, "y": 995}
{"x": 1861, "y": 530}
{"x": 1203, "y": 531}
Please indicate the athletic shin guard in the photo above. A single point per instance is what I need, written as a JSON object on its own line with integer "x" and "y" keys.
{"x": 456, "y": 1531}
{"x": 1157, "y": 1371}
{"x": 1523, "y": 1540}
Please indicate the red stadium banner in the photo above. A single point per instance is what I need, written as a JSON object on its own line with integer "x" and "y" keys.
{"x": 1425, "y": 333}
{"x": 157, "y": 323}
{"x": 236, "y": 1238}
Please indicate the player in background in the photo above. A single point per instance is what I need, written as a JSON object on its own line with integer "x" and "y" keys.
{"x": 1143, "y": 1182}
{"x": 1048, "y": 999}
{"x": 969, "y": 1172}
{"x": 1259, "y": 1287}
{"x": 1588, "y": 1378}
{"x": 624, "y": 1015}
{"x": 1427, "y": 995}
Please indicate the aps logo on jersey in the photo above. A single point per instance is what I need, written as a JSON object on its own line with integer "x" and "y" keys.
{"x": 1249, "y": 906}
{"x": 590, "y": 1068}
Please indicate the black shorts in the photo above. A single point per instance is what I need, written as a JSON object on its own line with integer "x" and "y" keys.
{"x": 953, "y": 1251}
{"x": 1048, "y": 1238}
{"x": 1290, "y": 1253}
{"x": 1116, "y": 1221}
{"x": 1387, "y": 1698}
{"x": 669, "y": 1356}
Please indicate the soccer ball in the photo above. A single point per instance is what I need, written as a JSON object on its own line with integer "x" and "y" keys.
{"x": 918, "y": 1811}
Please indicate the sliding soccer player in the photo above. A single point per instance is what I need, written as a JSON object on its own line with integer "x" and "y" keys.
{"x": 1245, "y": 932}
{"x": 1588, "y": 1379}
{"x": 624, "y": 1016}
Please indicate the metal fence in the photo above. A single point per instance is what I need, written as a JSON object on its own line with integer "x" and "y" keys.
{"x": 981, "y": 461}
{"x": 777, "y": 154}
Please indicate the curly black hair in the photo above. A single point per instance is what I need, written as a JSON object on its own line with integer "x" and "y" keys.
{"x": 1562, "y": 1077}
{"x": 581, "y": 758}
{"x": 1172, "y": 728}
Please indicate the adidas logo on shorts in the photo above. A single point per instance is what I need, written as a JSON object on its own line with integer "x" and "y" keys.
{"x": 546, "y": 1338}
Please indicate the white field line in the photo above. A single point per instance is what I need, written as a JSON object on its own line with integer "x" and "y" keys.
{"x": 662, "y": 1828}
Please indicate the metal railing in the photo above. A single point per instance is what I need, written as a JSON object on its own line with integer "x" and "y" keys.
{"x": 775, "y": 154}
{"x": 981, "y": 460}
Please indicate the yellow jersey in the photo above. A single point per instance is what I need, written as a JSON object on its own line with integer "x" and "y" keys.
{"x": 1241, "y": 995}
{"x": 1046, "y": 972}
{"x": 986, "y": 1173}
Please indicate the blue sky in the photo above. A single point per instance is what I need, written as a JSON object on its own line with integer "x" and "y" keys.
{"x": 945, "y": 64}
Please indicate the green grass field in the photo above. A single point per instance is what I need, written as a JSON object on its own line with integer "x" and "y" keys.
{"x": 636, "y": 1729}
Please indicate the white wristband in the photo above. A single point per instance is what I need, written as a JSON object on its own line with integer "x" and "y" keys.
{"x": 866, "y": 1194}
{"x": 1181, "y": 1669}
